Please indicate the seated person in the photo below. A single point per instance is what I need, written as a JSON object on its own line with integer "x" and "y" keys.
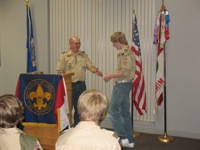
{"x": 87, "y": 134}
{"x": 11, "y": 114}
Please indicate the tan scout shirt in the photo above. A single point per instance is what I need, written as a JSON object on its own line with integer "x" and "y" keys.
{"x": 10, "y": 139}
{"x": 76, "y": 63}
{"x": 88, "y": 136}
{"x": 126, "y": 64}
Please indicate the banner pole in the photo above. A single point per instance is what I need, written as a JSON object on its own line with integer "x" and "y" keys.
{"x": 135, "y": 134}
{"x": 165, "y": 138}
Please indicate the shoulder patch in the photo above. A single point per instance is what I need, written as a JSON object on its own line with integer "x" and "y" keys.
{"x": 126, "y": 52}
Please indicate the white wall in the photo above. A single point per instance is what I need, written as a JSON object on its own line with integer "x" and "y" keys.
{"x": 182, "y": 52}
{"x": 94, "y": 27}
{"x": 2, "y": 53}
{"x": 182, "y": 63}
{"x": 183, "y": 71}
{"x": 13, "y": 31}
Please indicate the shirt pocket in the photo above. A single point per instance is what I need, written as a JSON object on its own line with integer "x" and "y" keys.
{"x": 82, "y": 62}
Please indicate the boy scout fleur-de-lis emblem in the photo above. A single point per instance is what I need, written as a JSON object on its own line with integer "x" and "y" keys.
{"x": 40, "y": 95}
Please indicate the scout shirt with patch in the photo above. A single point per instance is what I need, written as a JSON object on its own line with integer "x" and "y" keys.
{"x": 76, "y": 63}
{"x": 126, "y": 64}
{"x": 10, "y": 139}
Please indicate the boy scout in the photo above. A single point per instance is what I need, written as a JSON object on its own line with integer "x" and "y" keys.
{"x": 124, "y": 75}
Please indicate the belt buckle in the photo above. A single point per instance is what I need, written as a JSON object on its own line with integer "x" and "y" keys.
{"x": 122, "y": 81}
{"x": 78, "y": 82}
{"x": 118, "y": 82}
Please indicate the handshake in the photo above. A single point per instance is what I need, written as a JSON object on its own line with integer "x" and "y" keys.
{"x": 107, "y": 76}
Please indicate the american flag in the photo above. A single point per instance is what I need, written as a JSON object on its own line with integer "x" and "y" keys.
{"x": 138, "y": 86}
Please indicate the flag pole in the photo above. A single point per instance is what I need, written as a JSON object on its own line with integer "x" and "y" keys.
{"x": 135, "y": 134}
{"x": 165, "y": 138}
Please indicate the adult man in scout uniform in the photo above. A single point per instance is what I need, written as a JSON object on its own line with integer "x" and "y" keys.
{"x": 77, "y": 62}
{"x": 124, "y": 75}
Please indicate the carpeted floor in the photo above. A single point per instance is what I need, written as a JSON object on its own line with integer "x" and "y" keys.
{"x": 150, "y": 142}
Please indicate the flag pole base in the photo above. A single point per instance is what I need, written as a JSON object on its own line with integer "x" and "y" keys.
{"x": 136, "y": 134}
{"x": 165, "y": 138}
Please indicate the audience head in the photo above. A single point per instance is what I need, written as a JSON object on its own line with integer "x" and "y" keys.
{"x": 11, "y": 111}
{"x": 75, "y": 44}
{"x": 119, "y": 37}
{"x": 92, "y": 105}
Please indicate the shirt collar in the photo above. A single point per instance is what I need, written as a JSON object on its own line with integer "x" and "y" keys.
{"x": 10, "y": 130}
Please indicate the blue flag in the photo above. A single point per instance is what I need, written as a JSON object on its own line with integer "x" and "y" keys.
{"x": 31, "y": 56}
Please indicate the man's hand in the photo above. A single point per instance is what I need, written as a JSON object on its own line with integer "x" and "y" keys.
{"x": 99, "y": 73}
{"x": 107, "y": 77}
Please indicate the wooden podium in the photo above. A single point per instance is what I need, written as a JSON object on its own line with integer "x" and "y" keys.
{"x": 68, "y": 82}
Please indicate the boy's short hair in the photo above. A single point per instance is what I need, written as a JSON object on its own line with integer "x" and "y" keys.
{"x": 11, "y": 111}
{"x": 92, "y": 105}
{"x": 119, "y": 37}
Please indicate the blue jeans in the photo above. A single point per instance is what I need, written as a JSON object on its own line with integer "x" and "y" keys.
{"x": 119, "y": 111}
{"x": 77, "y": 89}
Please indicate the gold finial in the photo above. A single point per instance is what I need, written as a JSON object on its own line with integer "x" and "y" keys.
{"x": 163, "y": 6}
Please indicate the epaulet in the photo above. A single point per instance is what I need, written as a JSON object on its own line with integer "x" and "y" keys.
{"x": 62, "y": 132}
{"x": 69, "y": 55}
{"x": 66, "y": 53}
{"x": 115, "y": 135}
{"x": 126, "y": 50}
{"x": 82, "y": 53}
{"x": 27, "y": 142}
